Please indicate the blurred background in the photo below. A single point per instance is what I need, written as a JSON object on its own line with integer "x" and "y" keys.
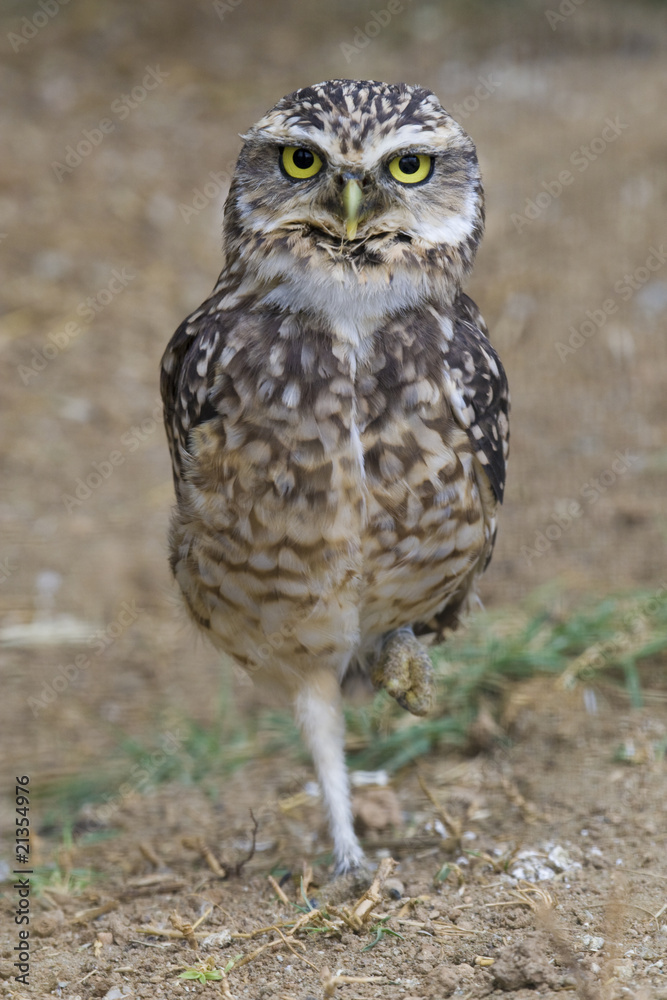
{"x": 120, "y": 131}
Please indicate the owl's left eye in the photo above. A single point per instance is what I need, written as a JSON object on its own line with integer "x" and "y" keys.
{"x": 299, "y": 163}
{"x": 412, "y": 168}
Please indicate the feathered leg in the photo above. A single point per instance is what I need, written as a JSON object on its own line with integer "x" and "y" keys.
{"x": 319, "y": 713}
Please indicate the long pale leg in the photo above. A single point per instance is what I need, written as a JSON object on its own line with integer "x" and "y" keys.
{"x": 319, "y": 713}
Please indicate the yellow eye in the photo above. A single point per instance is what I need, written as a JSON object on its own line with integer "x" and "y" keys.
{"x": 411, "y": 168}
{"x": 300, "y": 163}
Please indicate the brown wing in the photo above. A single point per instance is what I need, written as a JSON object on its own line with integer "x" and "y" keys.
{"x": 186, "y": 379}
{"x": 479, "y": 397}
{"x": 479, "y": 393}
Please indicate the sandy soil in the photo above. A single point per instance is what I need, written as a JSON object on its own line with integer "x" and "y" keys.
{"x": 529, "y": 868}
{"x": 103, "y": 258}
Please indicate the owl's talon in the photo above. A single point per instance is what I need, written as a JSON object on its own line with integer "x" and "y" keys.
{"x": 347, "y": 883}
{"x": 405, "y": 671}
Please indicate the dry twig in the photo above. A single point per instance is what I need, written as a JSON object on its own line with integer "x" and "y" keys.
{"x": 533, "y": 896}
{"x": 258, "y": 951}
{"x": 529, "y": 812}
{"x": 331, "y": 982}
{"x": 185, "y": 928}
{"x": 83, "y": 916}
{"x": 238, "y": 867}
{"x": 202, "y": 848}
{"x": 453, "y": 825}
{"x": 147, "y": 850}
{"x": 278, "y": 890}
{"x": 373, "y": 895}
{"x": 301, "y": 957}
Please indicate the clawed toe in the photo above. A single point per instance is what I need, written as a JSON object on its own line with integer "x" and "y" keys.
{"x": 347, "y": 883}
{"x": 405, "y": 671}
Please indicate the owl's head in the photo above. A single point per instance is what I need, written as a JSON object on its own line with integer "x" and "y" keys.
{"x": 357, "y": 177}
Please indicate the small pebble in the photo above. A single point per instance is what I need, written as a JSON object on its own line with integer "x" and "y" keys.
{"x": 394, "y": 888}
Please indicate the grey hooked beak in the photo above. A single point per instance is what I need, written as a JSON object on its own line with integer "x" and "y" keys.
{"x": 352, "y": 199}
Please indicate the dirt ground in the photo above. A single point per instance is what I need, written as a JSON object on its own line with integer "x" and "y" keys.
{"x": 105, "y": 249}
{"x": 522, "y": 871}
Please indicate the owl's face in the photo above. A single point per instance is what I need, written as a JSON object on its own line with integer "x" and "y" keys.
{"x": 356, "y": 177}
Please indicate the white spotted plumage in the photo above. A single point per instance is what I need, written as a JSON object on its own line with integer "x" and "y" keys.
{"x": 336, "y": 415}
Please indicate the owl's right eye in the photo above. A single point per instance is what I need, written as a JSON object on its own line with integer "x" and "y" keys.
{"x": 299, "y": 163}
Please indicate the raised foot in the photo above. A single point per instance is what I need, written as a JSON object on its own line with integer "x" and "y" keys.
{"x": 405, "y": 671}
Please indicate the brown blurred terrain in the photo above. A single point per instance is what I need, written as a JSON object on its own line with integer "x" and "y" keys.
{"x": 119, "y": 134}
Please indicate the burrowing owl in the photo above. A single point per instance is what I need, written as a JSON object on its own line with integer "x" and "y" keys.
{"x": 337, "y": 418}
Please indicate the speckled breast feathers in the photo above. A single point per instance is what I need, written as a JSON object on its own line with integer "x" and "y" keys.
{"x": 337, "y": 417}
